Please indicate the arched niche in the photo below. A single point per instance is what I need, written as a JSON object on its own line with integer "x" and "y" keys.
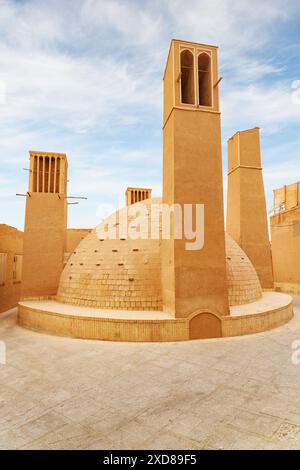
{"x": 187, "y": 77}
{"x": 204, "y": 80}
{"x": 205, "y": 325}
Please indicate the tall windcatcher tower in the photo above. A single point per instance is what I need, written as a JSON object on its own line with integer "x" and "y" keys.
{"x": 193, "y": 281}
{"x": 45, "y": 224}
{"x": 247, "y": 221}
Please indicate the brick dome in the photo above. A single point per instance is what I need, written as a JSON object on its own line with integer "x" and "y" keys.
{"x": 126, "y": 274}
{"x": 243, "y": 283}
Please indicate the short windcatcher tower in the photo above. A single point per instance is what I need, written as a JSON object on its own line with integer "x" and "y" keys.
{"x": 45, "y": 224}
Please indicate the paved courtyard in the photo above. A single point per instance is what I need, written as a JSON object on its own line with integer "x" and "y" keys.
{"x": 60, "y": 393}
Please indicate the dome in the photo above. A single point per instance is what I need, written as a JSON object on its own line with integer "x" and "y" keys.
{"x": 243, "y": 283}
{"x": 125, "y": 274}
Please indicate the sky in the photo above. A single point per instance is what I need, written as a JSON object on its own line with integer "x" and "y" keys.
{"x": 84, "y": 77}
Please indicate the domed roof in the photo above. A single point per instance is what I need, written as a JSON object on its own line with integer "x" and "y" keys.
{"x": 125, "y": 274}
{"x": 243, "y": 283}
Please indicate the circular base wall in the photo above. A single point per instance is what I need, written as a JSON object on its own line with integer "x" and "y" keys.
{"x": 49, "y": 316}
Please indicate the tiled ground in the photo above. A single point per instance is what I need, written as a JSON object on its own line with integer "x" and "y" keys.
{"x": 59, "y": 393}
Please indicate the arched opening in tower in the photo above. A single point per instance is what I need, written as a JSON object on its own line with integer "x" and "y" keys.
{"x": 187, "y": 77}
{"x": 204, "y": 80}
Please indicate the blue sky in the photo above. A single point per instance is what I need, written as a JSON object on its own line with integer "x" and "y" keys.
{"x": 85, "y": 77}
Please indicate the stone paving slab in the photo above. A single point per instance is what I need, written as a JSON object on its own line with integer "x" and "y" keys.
{"x": 231, "y": 393}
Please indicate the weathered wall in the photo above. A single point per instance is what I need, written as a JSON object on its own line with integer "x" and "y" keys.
{"x": 285, "y": 233}
{"x": 287, "y": 197}
{"x": 11, "y": 242}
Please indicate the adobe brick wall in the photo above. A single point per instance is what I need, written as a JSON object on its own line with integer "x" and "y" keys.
{"x": 11, "y": 242}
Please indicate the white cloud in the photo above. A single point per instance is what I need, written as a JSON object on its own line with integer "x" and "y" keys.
{"x": 269, "y": 107}
{"x": 84, "y": 72}
{"x": 137, "y": 24}
{"x": 77, "y": 92}
{"x": 235, "y": 25}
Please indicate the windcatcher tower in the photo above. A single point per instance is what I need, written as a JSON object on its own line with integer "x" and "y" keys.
{"x": 45, "y": 224}
{"x": 134, "y": 195}
{"x": 193, "y": 281}
{"x": 247, "y": 221}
